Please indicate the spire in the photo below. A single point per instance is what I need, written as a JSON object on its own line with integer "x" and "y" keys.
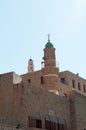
{"x": 49, "y": 37}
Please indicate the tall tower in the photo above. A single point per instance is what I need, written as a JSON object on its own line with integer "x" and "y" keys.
{"x": 49, "y": 54}
{"x": 30, "y": 66}
{"x": 50, "y": 71}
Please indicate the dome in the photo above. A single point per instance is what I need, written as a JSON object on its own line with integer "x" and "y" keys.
{"x": 49, "y": 45}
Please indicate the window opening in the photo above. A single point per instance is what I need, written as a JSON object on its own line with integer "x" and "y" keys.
{"x": 42, "y": 80}
{"x": 63, "y": 80}
{"x": 56, "y": 124}
{"x": 79, "y": 87}
{"x": 38, "y": 120}
{"x": 47, "y": 123}
{"x": 84, "y": 88}
{"x": 73, "y": 83}
{"x": 63, "y": 124}
{"x": 29, "y": 80}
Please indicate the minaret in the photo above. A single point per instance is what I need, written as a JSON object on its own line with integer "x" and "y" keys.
{"x": 50, "y": 71}
{"x": 30, "y": 66}
{"x": 49, "y": 54}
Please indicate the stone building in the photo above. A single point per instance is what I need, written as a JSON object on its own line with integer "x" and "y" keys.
{"x": 44, "y": 99}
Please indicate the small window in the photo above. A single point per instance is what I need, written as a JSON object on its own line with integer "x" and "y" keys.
{"x": 73, "y": 83}
{"x": 84, "y": 88}
{"x": 42, "y": 80}
{"x": 63, "y": 80}
{"x": 29, "y": 81}
{"x": 79, "y": 87}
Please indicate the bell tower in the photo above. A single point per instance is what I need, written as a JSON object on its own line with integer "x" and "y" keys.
{"x": 30, "y": 66}
{"x": 50, "y": 71}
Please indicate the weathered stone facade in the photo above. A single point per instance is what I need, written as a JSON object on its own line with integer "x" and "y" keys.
{"x": 43, "y": 99}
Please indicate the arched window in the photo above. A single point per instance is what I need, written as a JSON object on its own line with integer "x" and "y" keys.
{"x": 38, "y": 120}
{"x": 63, "y": 124}
{"x": 47, "y": 122}
{"x": 56, "y": 123}
{"x": 37, "y": 116}
{"x": 47, "y": 118}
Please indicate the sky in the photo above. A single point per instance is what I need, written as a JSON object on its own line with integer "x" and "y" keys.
{"x": 25, "y": 24}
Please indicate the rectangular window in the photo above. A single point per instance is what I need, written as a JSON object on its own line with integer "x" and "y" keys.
{"x": 84, "y": 88}
{"x": 63, "y": 80}
{"x": 42, "y": 80}
{"x": 29, "y": 81}
{"x": 79, "y": 87}
{"x": 73, "y": 83}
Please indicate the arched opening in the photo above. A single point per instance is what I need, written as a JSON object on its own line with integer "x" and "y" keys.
{"x": 47, "y": 122}
{"x": 56, "y": 123}
{"x": 63, "y": 124}
{"x": 42, "y": 79}
{"x": 38, "y": 120}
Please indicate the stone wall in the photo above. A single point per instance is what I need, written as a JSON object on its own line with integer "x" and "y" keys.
{"x": 6, "y": 94}
{"x": 33, "y": 78}
{"x": 46, "y": 103}
{"x": 19, "y": 101}
{"x": 80, "y": 106}
{"x": 69, "y": 76}
{"x": 77, "y": 103}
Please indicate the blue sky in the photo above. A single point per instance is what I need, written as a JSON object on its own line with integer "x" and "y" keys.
{"x": 24, "y": 25}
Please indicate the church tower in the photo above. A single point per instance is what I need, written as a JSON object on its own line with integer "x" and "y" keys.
{"x": 50, "y": 71}
{"x": 30, "y": 66}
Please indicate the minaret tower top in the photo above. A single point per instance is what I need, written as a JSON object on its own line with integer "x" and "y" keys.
{"x": 49, "y": 54}
{"x": 49, "y": 44}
